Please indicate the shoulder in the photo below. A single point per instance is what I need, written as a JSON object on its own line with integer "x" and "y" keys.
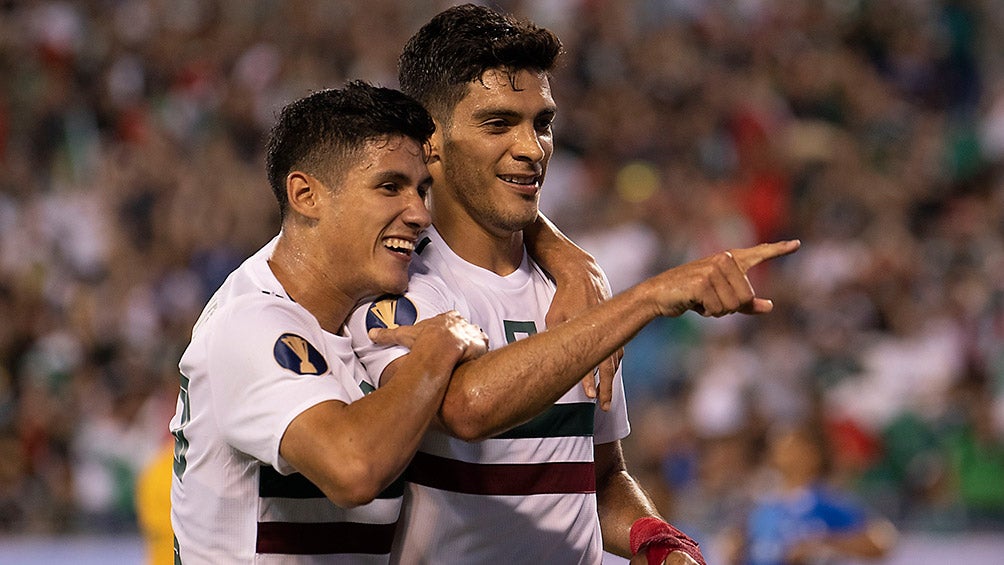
{"x": 262, "y": 309}
{"x": 434, "y": 281}
{"x": 246, "y": 327}
{"x": 538, "y": 273}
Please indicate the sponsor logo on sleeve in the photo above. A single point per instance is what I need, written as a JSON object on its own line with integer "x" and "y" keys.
{"x": 298, "y": 355}
{"x": 391, "y": 312}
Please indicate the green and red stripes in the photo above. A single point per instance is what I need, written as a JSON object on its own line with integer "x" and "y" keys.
{"x": 501, "y": 479}
{"x": 517, "y": 479}
{"x": 333, "y": 531}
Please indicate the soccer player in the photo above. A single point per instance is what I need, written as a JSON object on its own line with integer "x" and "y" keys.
{"x": 279, "y": 457}
{"x": 524, "y": 467}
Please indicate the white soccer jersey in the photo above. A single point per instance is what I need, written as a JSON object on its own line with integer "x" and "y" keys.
{"x": 256, "y": 361}
{"x": 525, "y": 496}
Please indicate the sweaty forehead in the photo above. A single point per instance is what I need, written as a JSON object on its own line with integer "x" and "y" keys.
{"x": 397, "y": 153}
{"x": 502, "y": 79}
{"x": 497, "y": 92}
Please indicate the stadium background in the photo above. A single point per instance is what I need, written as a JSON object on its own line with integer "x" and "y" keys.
{"x": 132, "y": 182}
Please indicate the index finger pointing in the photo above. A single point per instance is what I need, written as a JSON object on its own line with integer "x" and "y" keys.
{"x": 749, "y": 257}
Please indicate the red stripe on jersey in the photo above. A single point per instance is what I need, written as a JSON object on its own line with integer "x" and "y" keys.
{"x": 502, "y": 479}
{"x": 291, "y": 538}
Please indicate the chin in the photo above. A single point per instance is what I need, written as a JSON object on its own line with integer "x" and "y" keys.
{"x": 518, "y": 222}
{"x": 528, "y": 214}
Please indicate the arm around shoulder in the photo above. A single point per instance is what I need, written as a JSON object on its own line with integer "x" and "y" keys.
{"x": 353, "y": 451}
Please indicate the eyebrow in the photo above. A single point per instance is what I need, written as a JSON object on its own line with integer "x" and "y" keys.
{"x": 400, "y": 178}
{"x": 487, "y": 113}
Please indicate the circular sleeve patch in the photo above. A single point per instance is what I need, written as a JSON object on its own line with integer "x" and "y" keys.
{"x": 298, "y": 355}
{"x": 391, "y": 312}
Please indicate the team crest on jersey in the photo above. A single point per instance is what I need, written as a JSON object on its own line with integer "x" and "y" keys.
{"x": 391, "y": 312}
{"x": 298, "y": 355}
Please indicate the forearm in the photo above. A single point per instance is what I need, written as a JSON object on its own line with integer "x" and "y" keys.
{"x": 620, "y": 500}
{"x": 629, "y": 520}
{"x": 556, "y": 253}
{"x": 512, "y": 384}
{"x": 395, "y": 417}
{"x": 352, "y": 452}
{"x": 620, "y": 503}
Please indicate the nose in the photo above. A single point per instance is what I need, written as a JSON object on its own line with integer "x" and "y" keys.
{"x": 416, "y": 214}
{"x": 527, "y": 145}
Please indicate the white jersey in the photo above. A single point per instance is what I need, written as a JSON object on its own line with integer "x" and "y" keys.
{"x": 525, "y": 496}
{"x": 256, "y": 361}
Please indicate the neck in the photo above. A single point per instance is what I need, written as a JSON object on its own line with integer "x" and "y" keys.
{"x": 498, "y": 251}
{"x": 310, "y": 284}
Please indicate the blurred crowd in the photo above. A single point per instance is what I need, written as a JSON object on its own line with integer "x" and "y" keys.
{"x": 132, "y": 182}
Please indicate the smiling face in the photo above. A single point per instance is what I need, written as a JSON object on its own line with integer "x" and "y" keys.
{"x": 492, "y": 153}
{"x": 374, "y": 216}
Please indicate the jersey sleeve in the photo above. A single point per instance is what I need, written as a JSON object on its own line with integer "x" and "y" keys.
{"x": 267, "y": 365}
{"x": 423, "y": 300}
{"x": 612, "y": 425}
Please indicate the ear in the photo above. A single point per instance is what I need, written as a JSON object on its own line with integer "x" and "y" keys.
{"x": 303, "y": 192}
{"x": 436, "y": 144}
{"x": 435, "y": 160}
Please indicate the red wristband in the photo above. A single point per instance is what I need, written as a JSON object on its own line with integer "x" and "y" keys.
{"x": 658, "y": 539}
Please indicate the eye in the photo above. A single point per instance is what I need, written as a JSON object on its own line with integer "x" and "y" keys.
{"x": 544, "y": 124}
{"x": 423, "y": 191}
{"x": 496, "y": 126}
{"x": 391, "y": 187}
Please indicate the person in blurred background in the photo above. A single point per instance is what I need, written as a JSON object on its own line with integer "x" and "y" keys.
{"x": 278, "y": 454}
{"x": 975, "y": 453}
{"x": 798, "y": 517}
{"x": 153, "y": 507}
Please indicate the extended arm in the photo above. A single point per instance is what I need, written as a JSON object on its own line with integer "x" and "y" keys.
{"x": 352, "y": 452}
{"x": 512, "y": 384}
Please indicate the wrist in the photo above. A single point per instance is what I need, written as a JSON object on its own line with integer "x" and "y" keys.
{"x": 658, "y": 539}
{"x": 648, "y": 299}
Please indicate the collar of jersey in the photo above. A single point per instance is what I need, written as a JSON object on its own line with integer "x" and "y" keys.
{"x": 514, "y": 280}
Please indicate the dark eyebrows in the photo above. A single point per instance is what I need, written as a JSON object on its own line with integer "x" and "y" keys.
{"x": 400, "y": 178}
{"x": 496, "y": 113}
{"x": 395, "y": 177}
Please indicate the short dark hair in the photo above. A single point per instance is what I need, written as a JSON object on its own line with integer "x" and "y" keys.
{"x": 459, "y": 44}
{"x": 319, "y": 132}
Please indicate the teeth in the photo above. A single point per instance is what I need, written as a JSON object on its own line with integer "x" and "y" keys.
{"x": 399, "y": 244}
{"x": 527, "y": 181}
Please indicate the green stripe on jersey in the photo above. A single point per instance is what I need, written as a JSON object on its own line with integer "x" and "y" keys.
{"x": 181, "y": 444}
{"x": 272, "y": 484}
{"x": 561, "y": 420}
